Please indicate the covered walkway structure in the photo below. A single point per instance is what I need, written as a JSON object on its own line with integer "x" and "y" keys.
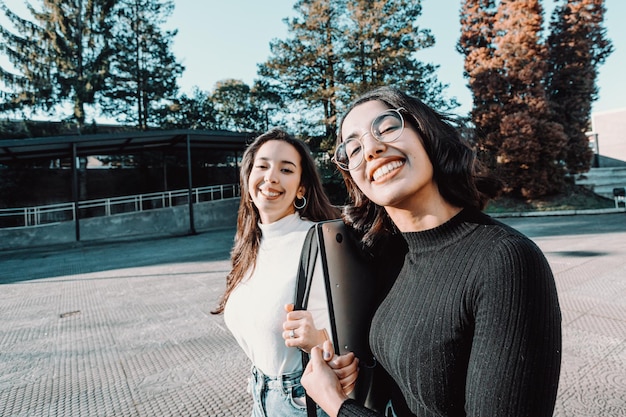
{"x": 169, "y": 142}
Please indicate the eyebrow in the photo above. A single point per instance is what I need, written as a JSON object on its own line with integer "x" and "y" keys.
{"x": 285, "y": 161}
{"x": 351, "y": 136}
{"x": 356, "y": 135}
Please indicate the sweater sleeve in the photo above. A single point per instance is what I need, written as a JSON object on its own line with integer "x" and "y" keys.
{"x": 514, "y": 364}
{"x": 350, "y": 408}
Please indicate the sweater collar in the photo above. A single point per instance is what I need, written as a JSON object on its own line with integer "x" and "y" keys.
{"x": 279, "y": 227}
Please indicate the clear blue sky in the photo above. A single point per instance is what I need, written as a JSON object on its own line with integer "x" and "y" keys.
{"x": 220, "y": 39}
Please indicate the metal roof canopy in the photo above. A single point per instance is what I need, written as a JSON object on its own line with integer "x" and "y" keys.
{"x": 73, "y": 146}
{"x": 53, "y": 147}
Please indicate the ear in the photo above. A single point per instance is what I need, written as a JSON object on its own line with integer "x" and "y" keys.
{"x": 301, "y": 192}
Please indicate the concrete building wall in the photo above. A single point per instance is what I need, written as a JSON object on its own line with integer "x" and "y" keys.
{"x": 161, "y": 222}
{"x": 610, "y": 128}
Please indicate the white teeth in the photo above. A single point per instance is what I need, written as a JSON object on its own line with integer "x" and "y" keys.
{"x": 386, "y": 169}
{"x": 269, "y": 193}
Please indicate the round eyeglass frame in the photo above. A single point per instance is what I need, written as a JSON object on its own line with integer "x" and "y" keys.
{"x": 375, "y": 134}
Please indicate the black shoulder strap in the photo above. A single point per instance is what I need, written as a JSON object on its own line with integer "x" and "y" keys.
{"x": 303, "y": 288}
{"x": 306, "y": 269}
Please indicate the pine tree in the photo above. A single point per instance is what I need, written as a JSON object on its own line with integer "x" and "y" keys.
{"x": 305, "y": 69}
{"x": 144, "y": 70}
{"x": 338, "y": 49}
{"x": 577, "y": 45}
{"x": 506, "y": 66}
{"x": 62, "y": 57}
{"x": 382, "y": 42}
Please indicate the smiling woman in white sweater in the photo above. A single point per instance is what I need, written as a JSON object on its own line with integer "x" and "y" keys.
{"x": 282, "y": 197}
{"x": 255, "y": 310}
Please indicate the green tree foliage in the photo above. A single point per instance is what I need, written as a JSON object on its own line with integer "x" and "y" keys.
{"x": 577, "y": 45}
{"x": 63, "y": 56}
{"x": 233, "y": 102}
{"x": 232, "y": 105}
{"x": 305, "y": 69}
{"x": 144, "y": 70}
{"x": 189, "y": 112}
{"x": 381, "y": 42}
{"x": 340, "y": 48}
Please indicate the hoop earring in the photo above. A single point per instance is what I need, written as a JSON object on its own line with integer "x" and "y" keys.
{"x": 301, "y": 206}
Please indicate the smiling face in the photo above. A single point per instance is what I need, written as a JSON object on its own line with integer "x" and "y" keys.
{"x": 396, "y": 175}
{"x": 274, "y": 180}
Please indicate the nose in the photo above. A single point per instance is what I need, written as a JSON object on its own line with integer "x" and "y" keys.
{"x": 270, "y": 176}
{"x": 371, "y": 146}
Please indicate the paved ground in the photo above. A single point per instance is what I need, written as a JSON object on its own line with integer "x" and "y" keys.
{"x": 124, "y": 328}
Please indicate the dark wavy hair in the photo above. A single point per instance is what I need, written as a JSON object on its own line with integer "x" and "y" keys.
{"x": 461, "y": 179}
{"x": 248, "y": 235}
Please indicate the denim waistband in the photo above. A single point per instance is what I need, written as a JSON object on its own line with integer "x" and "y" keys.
{"x": 283, "y": 380}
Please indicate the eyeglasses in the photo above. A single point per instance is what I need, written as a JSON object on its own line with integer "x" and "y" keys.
{"x": 385, "y": 128}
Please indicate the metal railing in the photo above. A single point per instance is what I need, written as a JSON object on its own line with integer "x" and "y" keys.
{"x": 54, "y": 213}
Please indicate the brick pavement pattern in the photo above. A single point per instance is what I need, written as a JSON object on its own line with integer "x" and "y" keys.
{"x": 119, "y": 330}
{"x": 124, "y": 328}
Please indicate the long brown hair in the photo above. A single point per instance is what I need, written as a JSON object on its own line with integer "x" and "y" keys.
{"x": 461, "y": 179}
{"x": 248, "y": 236}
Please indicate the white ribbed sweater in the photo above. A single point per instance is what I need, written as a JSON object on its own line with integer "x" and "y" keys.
{"x": 255, "y": 310}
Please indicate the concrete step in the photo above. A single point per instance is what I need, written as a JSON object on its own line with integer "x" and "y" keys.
{"x": 603, "y": 180}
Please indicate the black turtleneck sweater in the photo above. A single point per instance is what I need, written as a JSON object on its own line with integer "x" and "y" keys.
{"x": 472, "y": 325}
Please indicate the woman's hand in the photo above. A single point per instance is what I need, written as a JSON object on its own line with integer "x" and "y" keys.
{"x": 323, "y": 383}
{"x": 299, "y": 330}
{"x": 346, "y": 368}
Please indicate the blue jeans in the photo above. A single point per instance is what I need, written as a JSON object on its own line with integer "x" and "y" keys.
{"x": 281, "y": 396}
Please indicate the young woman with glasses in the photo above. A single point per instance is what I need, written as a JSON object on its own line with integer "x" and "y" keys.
{"x": 281, "y": 198}
{"x": 471, "y": 325}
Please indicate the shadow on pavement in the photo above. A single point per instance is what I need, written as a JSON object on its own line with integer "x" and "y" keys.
{"x": 79, "y": 258}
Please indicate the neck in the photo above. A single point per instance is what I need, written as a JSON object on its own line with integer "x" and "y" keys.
{"x": 417, "y": 219}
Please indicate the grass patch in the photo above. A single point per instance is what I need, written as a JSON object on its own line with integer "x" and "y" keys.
{"x": 575, "y": 197}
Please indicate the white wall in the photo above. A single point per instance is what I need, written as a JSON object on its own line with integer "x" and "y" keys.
{"x": 610, "y": 126}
